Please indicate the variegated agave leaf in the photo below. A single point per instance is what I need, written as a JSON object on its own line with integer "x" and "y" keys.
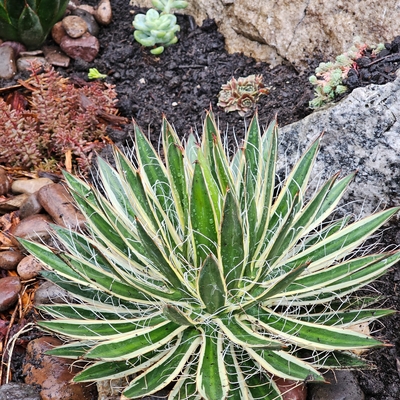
{"x": 195, "y": 273}
{"x": 29, "y": 22}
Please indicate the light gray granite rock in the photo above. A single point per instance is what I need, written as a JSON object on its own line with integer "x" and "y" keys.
{"x": 18, "y": 391}
{"x": 362, "y": 132}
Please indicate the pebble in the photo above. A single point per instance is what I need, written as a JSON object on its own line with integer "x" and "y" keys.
{"x": 29, "y": 268}
{"x": 86, "y": 47}
{"x": 50, "y": 293}
{"x": 103, "y": 12}
{"x": 18, "y": 391}
{"x": 9, "y": 259}
{"x": 8, "y": 67}
{"x": 5, "y": 182}
{"x": 18, "y": 47}
{"x": 33, "y": 227}
{"x": 291, "y": 390}
{"x": 86, "y": 7}
{"x": 31, "y": 53}
{"x": 58, "y": 32}
{"x": 25, "y": 63}
{"x": 30, "y": 206}
{"x": 74, "y": 26}
{"x": 9, "y": 290}
{"x": 56, "y": 57}
{"x": 29, "y": 186}
{"x": 92, "y": 26}
{"x": 111, "y": 389}
{"x": 342, "y": 385}
{"x": 53, "y": 374}
{"x": 13, "y": 203}
{"x": 59, "y": 204}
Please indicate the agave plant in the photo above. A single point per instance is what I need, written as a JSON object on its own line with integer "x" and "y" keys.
{"x": 29, "y": 21}
{"x": 198, "y": 272}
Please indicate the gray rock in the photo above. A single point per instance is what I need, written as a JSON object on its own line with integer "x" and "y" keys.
{"x": 17, "y": 391}
{"x": 343, "y": 385}
{"x": 8, "y": 67}
{"x": 9, "y": 290}
{"x": 360, "y": 133}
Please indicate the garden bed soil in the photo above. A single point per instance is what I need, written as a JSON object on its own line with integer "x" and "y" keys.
{"x": 184, "y": 82}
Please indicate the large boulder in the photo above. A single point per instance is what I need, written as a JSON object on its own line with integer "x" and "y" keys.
{"x": 360, "y": 133}
{"x": 295, "y": 30}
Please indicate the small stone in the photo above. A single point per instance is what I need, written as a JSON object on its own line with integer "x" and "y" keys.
{"x": 342, "y": 385}
{"x": 111, "y": 389}
{"x": 8, "y": 67}
{"x": 13, "y": 203}
{"x": 86, "y": 47}
{"x": 92, "y": 26}
{"x": 29, "y": 268}
{"x": 103, "y": 12}
{"x": 9, "y": 259}
{"x": 25, "y": 63}
{"x": 33, "y": 227}
{"x": 59, "y": 204}
{"x": 72, "y": 5}
{"x": 17, "y": 391}
{"x": 52, "y": 374}
{"x": 86, "y": 7}
{"x": 18, "y": 47}
{"x": 50, "y": 293}
{"x": 55, "y": 56}
{"x": 9, "y": 290}
{"x": 30, "y": 206}
{"x": 29, "y": 186}
{"x": 5, "y": 182}
{"x": 58, "y": 32}
{"x": 74, "y": 26}
{"x": 32, "y": 53}
{"x": 291, "y": 390}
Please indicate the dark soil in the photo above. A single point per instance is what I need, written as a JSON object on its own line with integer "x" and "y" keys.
{"x": 185, "y": 81}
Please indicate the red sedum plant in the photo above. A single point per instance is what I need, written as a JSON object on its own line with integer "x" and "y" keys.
{"x": 63, "y": 123}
